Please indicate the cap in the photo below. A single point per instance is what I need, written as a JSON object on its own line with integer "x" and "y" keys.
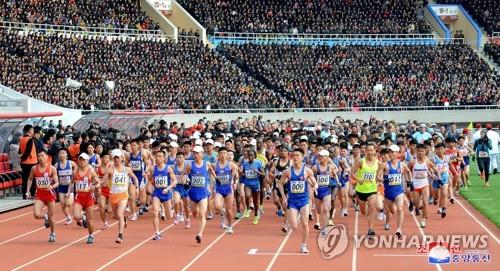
{"x": 394, "y": 148}
{"x": 173, "y": 137}
{"x": 304, "y": 137}
{"x": 488, "y": 126}
{"x": 174, "y": 145}
{"x": 253, "y": 142}
{"x": 478, "y": 126}
{"x": 198, "y": 148}
{"x": 217, "y": 144}
{"x": 422, "y": 125}
{"x": 324, "y": 153}
{"x": 208, "y": 135}
{"x": 84, "y": 156}
{"x": 209, "y": 141}
{"x": 116, "y": 153}
{"x": 334, "y": 140}
{"x": 276, "y": 134}
{"x": 198, "y": 142}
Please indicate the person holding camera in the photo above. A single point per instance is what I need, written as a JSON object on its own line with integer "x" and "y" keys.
{"x": 482, "y": 147}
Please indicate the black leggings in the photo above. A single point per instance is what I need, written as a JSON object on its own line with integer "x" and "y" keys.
{"x": 484, "y": 166}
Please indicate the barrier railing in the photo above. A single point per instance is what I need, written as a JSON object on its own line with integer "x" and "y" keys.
{"x": 297, "y": 110}
{"x": 329, "y": 39}
{"x": 97, "y": 31}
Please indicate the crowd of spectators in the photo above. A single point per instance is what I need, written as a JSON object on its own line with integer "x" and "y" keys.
{"x": 148, "y": 74}
{"x": 323, "y": 76}
{"x": 83, "y": 13}
{"x": 485, "y": 12}
{"x": 492, "y": 48}
{"x": 310, "y": 16}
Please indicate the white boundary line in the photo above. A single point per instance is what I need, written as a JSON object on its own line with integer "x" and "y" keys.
{"x": 354, "y": 249}
{"x": 132, "y": 249}
{"x": 254, "y": 252}
{"x": 280, "y": 248}
{"x": 206, "y": 249}
{"x": 438, "y": 267}
{"x": 478, "y": 222}
{"x": 57, "y": 250}
{"x": 28, "y": 233}
{"x": 399, "y": 255}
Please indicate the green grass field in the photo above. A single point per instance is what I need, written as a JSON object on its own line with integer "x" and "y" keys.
{"x": 485, "y": 199}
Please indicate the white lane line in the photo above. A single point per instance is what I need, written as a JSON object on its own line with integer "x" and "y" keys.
{"x": 59, "y": 249}
{"x": 280, "y": 248}
{"x": 478, "y": 222}
{"x": 132, "y": 249}
{"x": 21, "y": 215}
{"x": 253, "y": 251}
{"x": 354, "y": 247}
{"x": 206, "y": 249}
{"x": 399, "y": 255}
{"x": 28, "y": 233}
{"x": 438, "y": 267}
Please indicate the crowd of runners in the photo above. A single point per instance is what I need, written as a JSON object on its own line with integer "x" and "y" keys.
{"x": 314, "y": 172}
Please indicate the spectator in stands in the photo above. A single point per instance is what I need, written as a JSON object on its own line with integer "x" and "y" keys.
{"x": 28, "y": 157}
{"x": 327, "y": 16}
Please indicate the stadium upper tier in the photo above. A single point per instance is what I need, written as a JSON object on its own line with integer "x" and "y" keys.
{"x": 485, "y": 12}
{"x": 152, "y": 74}
{"x": 310, "y": 16}
{"x": 83, "y": 13}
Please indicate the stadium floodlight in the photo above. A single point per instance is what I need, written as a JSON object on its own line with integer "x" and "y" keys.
{"x": 110, "y": 86}
{"x": 73, "y": 84}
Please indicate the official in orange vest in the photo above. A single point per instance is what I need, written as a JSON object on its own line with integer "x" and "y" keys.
{"x": 28, "y": 157}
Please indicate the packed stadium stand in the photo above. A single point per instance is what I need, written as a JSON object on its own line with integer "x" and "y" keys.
{"x": 83, "y": 13}
{"x": 492, "y": 48}
{"x": 325, "y": 16}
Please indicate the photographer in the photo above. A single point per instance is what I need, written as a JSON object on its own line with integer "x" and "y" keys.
{"x": 482, "y": 147}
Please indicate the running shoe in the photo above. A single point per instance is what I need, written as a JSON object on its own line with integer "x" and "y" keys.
{"x": 316, "y": 226}
{"x": 210, "y": 216}
{"x": 141, "y": 212}
{"x": 146, "y": 208}
{"x": 435, "y": 201}
{"x": 380, "y": 216}
{"x": 157, "y": 237}
{"x": 181, "y": 218}
{"x": 119, "y": 240}
{"x": 137, "y": 203}
{"x": 487, "y": 184}
{"x": 311, "y": 218}
{"x": 431, "y": 200}
{"x": 198, "y": 239}
{"x": 46, "y": 221}
{"x": 344, "y": 212}
{"x": 285, "y": 229}
{"x": 422, "y": 224}
{"x": 417, "y": 211}
{"x": 187, "y": 224}
{"x": 443, "y": 213}
{"x": 68, "y": 221}
{"x": 251, "y": 207}
{"x": 247, "y": 213}
{"x": 79, "y": 223}
{"x": 238, "y": 215}
{"x": 330, "y": 222}
{"x": 52, "y": 238}
{"x": 90, "y": 239}
{"x": 163, "y": 216}
{"x": 256, "y": 220}
{"x": 452, "y": 200}
{"x": 439, "y": 210}
{"x": 261, "y": 210}
{"x": 133, "y": 217}
{"x": 279, "y": 213}
{"x": 176, "y": 219}
{"x": 356, "y": 208}
{"x": 371, "y": 233}
{"x": 398, "y": 234}
{"x": 268, "y": 195}
{"x": 387, "y": 227}
{"x": 410, "y": 206}
{"x": 229, "y": 230}
{"x": 303, "y": 248}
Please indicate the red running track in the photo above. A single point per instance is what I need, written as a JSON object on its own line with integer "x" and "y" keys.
{"x": 24, "y": 246}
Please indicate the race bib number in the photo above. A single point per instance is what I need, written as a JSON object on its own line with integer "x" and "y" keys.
{"x": 297, "y": 186}
{"x": 394, "y": 179}
{"x": 482, "y": 154}
{"x": 224, "y": 179}
{"x": 135, "y": 165}
{"x": 82, "y": 186}
{"x": 43, "y": 182}
{"x": 120, "y": 179}
{"x": 65, "y": 180}
{"x": 420, "y": 174}
{"x": 323, "y": 180}
{"x": 161, "y": 181}
{"x": 369, "y": 177}
{"x": 250, "y": 174}
{"x": 198, "y": 181}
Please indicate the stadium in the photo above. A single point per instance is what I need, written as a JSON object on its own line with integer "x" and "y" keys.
{"x": 249, "y": 135}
